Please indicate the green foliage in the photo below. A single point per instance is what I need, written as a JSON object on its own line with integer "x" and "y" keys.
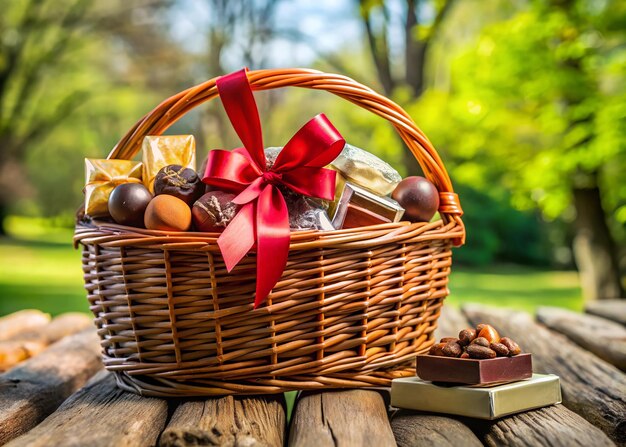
{"x": 543, "y": 92}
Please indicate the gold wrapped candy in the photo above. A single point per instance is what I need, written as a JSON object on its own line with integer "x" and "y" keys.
{"x": 363, "y": 169}
{"x": 101, "y": 176}
{"x": 159, "y": 152}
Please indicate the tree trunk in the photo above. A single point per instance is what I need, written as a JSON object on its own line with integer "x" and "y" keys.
{"x": 594, "y": 248}
{"x": 4, "y": 211}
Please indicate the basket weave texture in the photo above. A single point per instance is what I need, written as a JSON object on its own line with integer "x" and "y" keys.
{"x": 352, "y": 309}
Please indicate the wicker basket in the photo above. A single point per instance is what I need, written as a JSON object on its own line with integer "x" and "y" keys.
{"x": 352, "y": 309}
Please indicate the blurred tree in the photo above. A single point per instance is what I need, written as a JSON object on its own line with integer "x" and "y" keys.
{"x": 421, "y": 21}
{"x": 541, "y": 102}
{"x": 33, "y": 37}
{"x": 112, "y": 59}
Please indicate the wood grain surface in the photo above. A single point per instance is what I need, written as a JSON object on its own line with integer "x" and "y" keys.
{"x": 605, "y": 338}
{"x": 340, "y": 418}
{"x": 100, "y": 415}
{"x": 551, "y": 427}
{"x": 612, "y": 309}
{"x": 34, "y": 389}
{"x": 228, "y": 421}
{"x": 412, "y": 428}
{"x": 23, "y": 320}
{"x": 591, "y": 387}
{"x": 31, "y": 342}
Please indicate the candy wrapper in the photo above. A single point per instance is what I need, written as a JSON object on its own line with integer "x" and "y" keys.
{"x": 305, "y": 213}
{"x": 366, "y": 170}
{"x": 161, "y": 151}
{"x": 101, "y": 176}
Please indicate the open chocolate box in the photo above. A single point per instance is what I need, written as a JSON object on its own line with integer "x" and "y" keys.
{"x": 474, "y": 371}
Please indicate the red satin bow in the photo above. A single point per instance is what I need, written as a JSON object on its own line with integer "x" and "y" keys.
{"x": 263, "y": 218}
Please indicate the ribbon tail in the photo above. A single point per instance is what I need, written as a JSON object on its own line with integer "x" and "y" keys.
{"x": 273, "y": 237}
{"x": 238, "y": 237}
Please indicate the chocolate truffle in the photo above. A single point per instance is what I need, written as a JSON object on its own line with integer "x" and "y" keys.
{"x": 418, "y": 197}
{"x": 128, "y": 202}
{"x": 180, "y": 182}
{"x": 213, "y": 211}
{"x": 167, "y": 213}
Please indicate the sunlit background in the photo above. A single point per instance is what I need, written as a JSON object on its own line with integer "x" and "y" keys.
{"x": 525, "y": 100}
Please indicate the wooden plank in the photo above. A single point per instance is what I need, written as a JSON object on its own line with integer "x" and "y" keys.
{"x": 614, "y": 310}
{"x": 340, "y": 418}
{"x": 234, "y": 421}
{"x": 412, "y": 428}
{"x": 100, "y": 415}
{"x": 591, "y": 387}
{"x": 450, "y": 323}
{"x": 35, "y": 388}
{"x": 603, "y": 337}
{"x": 550, "y": 426}
{"x": 30, "y": 343}
{"x": 23, "y": 320}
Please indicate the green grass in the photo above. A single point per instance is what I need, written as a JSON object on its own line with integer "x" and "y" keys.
{"x": 40, "y": 269}
{"x": 517, "y": 287}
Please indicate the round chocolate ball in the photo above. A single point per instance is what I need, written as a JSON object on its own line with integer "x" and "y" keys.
{"x": 128, "y": 203}
{"x": 167, "y": 213}
{"x": 213, "y": 211}
{"x": 418, "y": 197}
{"x": 178, "y": 181}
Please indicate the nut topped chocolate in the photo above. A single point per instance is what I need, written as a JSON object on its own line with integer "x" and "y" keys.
{"x": 180, "y": 182}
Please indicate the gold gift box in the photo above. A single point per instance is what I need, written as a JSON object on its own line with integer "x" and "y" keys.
{"x": 160, "y": 151}
{"x": 101, "y": 176}
{"x": 482, "y": 402}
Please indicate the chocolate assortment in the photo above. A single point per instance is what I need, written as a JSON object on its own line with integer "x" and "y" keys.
{"x": 483, "y": 342}
{"x": 164, "y": 192}
{"x": 477, "y": 356}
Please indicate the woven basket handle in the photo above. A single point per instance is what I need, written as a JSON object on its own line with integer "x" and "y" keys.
{"x": 173, "y": 108}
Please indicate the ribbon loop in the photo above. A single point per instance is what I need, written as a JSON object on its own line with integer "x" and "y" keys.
{"x": 263, "y": 219}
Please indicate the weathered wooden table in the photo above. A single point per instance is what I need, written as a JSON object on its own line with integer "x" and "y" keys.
{"x": 62, "y": 397}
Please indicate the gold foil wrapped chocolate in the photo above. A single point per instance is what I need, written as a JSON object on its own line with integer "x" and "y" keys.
{"x": 101, "y": 176}
{"x": 366, "y": 170}
{"x": 160, "y": 151}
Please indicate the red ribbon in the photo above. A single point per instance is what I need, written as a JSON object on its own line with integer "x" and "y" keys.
{"x": 263, "y": 218}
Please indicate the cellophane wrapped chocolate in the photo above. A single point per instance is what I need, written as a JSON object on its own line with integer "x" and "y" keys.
{"x": 305, "y": 213}
{"x": 161, "y": 151}
{"x": 101, "y": 176}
